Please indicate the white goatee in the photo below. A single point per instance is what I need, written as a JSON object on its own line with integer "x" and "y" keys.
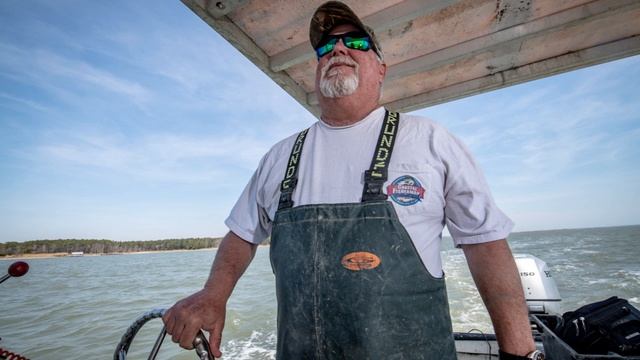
{"x": 334, "y": 83}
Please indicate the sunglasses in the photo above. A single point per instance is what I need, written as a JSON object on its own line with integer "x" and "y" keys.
{"x": 353, "y": 40}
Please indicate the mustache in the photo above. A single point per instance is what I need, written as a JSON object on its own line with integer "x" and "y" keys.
{"x": 338, "y": 60}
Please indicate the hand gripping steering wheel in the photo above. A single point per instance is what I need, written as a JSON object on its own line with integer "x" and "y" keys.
{"x": 200, "y": 343}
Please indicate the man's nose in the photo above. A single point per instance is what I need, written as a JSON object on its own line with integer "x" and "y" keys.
{"x": 339, "y": 48}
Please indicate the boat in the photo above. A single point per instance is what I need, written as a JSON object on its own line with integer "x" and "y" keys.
{"x": 438, "y": 51}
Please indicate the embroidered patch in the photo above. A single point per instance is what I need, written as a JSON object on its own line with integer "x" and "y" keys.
{"x": 406, "y": 190}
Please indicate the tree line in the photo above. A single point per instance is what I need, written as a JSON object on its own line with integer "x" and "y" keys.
{"x": 94, "y": 246}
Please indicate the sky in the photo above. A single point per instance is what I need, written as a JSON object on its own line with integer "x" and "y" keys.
{"x": 134, "y": 120}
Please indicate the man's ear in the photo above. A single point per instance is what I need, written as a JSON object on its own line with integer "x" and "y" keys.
{"x": 383, "y": 71}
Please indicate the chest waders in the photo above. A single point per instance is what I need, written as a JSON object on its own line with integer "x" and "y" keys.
{"x": 349, "y": 281}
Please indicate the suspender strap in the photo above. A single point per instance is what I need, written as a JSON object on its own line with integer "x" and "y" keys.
{"x": 291, "y": 176}
{"x": 376, "y": 176}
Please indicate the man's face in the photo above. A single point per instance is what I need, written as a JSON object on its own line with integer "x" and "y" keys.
{"x": 344, "y": 71}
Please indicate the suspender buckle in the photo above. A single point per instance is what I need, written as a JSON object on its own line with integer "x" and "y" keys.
{"x": 286, "y": 193}
{"x": 285, "y": 200}
{"x": 373, "y": 185}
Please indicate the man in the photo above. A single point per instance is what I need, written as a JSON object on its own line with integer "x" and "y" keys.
{"x": 355, "y": 207}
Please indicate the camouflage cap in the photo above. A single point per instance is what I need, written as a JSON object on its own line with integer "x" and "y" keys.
{"x": 332, "y": 14}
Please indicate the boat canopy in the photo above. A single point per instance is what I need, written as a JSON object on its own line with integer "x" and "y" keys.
{"x": 435, "y": 50}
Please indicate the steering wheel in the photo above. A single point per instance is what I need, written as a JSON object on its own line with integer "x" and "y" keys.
{"x": 200, "y": 343}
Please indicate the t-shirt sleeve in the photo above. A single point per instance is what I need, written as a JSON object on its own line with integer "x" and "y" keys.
{"x": 248, "y": 219}
{"x": 472, "y": 216}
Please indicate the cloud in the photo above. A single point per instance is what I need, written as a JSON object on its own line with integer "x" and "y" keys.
{"x": 154, "y": 157}
{"x": 179, "y": 76}
{"x": 49, "y": 70}
{"x": 554, "y": 128}
{"x": 165, "y": 73}
{"x": 79, "y": 71}
{"x": 26, "y": 102}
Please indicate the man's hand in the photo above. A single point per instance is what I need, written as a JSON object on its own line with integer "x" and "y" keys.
{"x": 206, "y": 309}
{"x": 198, "y": 311}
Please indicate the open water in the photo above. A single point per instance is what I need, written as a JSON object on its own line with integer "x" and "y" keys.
{"x": 78, "y": 308}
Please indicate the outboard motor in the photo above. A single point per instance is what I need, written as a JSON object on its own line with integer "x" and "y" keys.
{"x": 540, "y": 288}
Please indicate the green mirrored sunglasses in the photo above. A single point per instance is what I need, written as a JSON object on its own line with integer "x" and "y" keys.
{"x": 353, "y": 40}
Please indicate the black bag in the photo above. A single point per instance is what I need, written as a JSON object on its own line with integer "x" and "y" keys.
{"x": 611, "y": 325}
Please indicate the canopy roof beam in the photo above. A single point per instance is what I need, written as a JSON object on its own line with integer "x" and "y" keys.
{"x": 381, "y": 21}
{"x": 436, "y": 50}
{"x": 579, "y": 59}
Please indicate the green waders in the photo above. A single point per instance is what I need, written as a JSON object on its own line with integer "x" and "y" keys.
{"x": 349, "y": 281}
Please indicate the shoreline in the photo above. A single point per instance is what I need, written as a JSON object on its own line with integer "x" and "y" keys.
{"x": 64, "y": 255}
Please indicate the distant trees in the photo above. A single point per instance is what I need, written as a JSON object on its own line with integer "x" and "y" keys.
{"x": 93, "y": 246}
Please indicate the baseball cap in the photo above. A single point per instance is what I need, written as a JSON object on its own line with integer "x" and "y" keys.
{"x": 332, "y": 14}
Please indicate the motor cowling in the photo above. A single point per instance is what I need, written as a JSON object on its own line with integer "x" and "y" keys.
{"x": 539, "y": 286}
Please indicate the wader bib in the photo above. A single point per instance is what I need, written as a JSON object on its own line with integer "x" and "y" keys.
{"x": 349, "y": 281}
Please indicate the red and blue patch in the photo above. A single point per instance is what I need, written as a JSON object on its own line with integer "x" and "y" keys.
{"x": 406, "y": 190}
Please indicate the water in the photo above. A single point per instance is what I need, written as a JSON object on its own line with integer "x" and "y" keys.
{"x": 78, "y": 308}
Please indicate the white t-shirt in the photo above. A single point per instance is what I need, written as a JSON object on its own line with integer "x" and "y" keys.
{"x": 432, "y": 181}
